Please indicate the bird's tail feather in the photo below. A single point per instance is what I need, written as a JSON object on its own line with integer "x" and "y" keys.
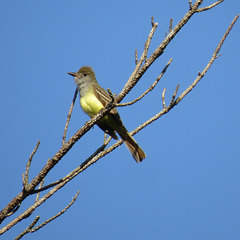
{"x": 136, "y": 151}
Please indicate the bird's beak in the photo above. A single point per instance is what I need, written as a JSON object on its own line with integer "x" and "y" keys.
{"x": 72, "y": 74}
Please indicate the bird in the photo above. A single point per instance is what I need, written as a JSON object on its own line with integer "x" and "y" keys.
{"x": 92, "y": 99}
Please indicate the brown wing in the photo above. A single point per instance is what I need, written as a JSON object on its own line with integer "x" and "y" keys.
{"x": 104, "y": 98}
{"x": 101, "y": 94}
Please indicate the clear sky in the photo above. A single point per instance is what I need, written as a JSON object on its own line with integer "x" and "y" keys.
{"x": 188, "y": 187}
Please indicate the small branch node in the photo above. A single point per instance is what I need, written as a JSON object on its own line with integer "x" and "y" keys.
{"x": 149, "y": 89}
{"x": 28, "y": 229}
{"x": 209, "y": 7}
{"x": 170, "y": 25}
{"x": 136, "y": 56}
{"x": 163, "y": 98}
{"x": 174, "y": 95}
{"x": 111, "y": 96}
{"x": 190, "y": 4}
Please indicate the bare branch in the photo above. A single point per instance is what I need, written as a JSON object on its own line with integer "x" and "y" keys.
{"x": 92, "y": 159}
{"x": 50, "y": 164}
{"x": 57, "y": 215}
{"x": 147, "y": 43}
{"x": 47, "y": 186}
{"x": 29, "y": 163}
{"x": 190, "y": 88}
{"x": 149, "y": 89}
{"x": 31, "y": 229}
{"x": 69, "y": 117}
{"x": 28, "y": 229}
{"x": 40, "y": 186}
{"x": 174, "y": 95}
{"x": 62, "y": 182}
{"x": 209, "y": 7}
{"x": 214, "y": 56}
{"x": 138, "y": 72}
{"x": 131, "y": 83}
{"x": 26, "y": 175}
{"x": 100, "y": 149}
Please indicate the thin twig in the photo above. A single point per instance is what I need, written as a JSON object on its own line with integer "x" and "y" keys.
{"x": 147, "y": 43}
{"x": 131, "y": 82}
{"x": 100, "y": 149}
{"x": 28, "y": 229}
{"x": 152, "y": 21}
{"x": 26, "y": 175}
{"x": 105, "y": 137}
{"x": 190, "y": 4}
{"x": 163, "y": 98}
{"x": 174, "y": 95}
{"x": 57, "y": 215}
{"x": 136, "y": 57}
{"x": 214, "y": 56}
{"x": 69, "y": 117}
{"x": 113, "y": 99}
{"x": 209, "y": 7}
{"x": 170, "y": 25}
{"x": 149, "y": 89}
{"x": 47, "y": 186}
{"x": 40, "y": 186}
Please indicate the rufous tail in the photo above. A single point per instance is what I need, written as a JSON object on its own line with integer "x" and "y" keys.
{"x": 136, "y": 151}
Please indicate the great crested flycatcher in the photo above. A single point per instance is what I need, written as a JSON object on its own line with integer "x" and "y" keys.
{"x": 92, "y": 98}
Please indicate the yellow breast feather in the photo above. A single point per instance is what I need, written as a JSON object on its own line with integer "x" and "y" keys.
{"x": 90, "y": 104}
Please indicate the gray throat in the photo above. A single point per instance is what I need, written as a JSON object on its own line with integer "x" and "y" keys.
{"x": 83, "y": 88}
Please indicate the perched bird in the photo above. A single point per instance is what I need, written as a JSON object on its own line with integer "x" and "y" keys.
{"x": 93, "y": 98}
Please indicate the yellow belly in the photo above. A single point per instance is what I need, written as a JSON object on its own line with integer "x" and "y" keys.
{"x": 90, "y": 104}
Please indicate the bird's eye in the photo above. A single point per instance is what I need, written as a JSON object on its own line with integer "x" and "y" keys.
{"x": 84, "y": 74}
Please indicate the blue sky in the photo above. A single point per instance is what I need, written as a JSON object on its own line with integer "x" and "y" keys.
{"x": 188, "y": 186}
